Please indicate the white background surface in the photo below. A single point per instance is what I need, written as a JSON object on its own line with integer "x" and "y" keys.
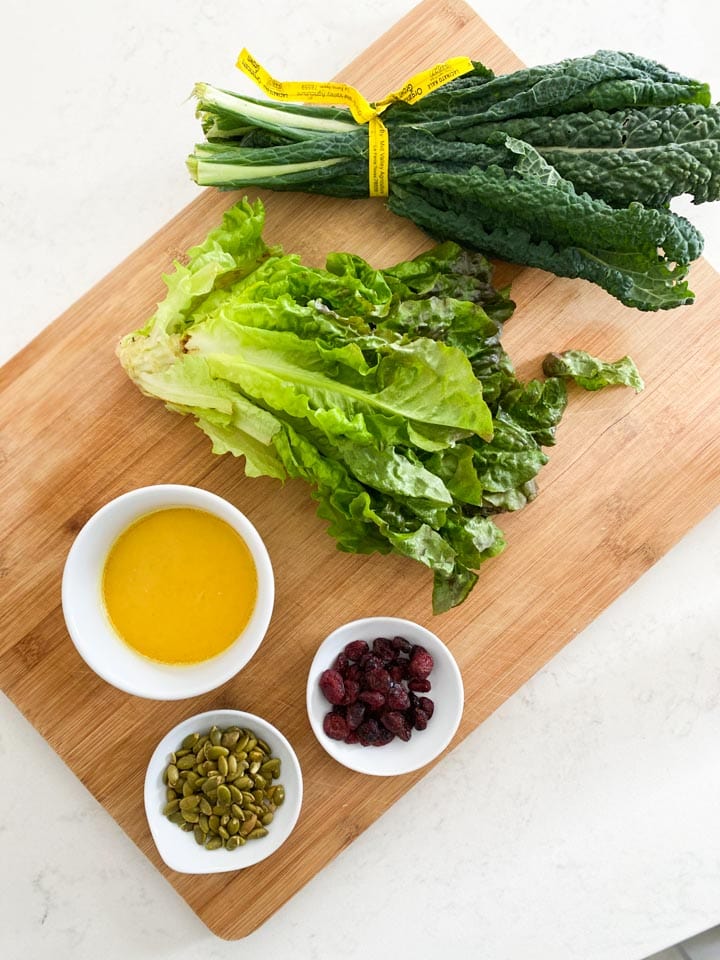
{"x": 581, "y": 820}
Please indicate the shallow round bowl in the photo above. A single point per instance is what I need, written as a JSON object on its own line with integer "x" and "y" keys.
{"x": 397, "y": 756}
{"x": 178, "y": 849}
{"x": 89, "y": 625}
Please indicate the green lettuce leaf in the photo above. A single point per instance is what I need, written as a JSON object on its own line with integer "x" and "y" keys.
{"x": 388, "y": 391}
{"x": 590, "y": 373}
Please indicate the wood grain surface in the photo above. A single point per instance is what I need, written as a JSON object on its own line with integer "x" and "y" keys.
{"x": 629, "y": 476}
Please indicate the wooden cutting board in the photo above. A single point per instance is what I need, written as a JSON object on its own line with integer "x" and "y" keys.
{"x": 629, "y": 476}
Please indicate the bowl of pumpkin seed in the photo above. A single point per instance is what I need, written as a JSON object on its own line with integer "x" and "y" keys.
{"x": 223, "y": 791}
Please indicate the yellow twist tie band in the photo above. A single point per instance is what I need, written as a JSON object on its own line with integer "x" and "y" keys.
{"x": 334, "y": 93}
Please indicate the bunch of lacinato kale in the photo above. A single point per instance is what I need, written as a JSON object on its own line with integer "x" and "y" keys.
{"x": 387, "y": 390}
{"x": 568, "y": 167}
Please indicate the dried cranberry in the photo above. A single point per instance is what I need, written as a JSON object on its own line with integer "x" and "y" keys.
{"x": 427, "y": 706}
{"x": 352, "y": 737}
{"x": 420, "y": 719}
{"x": 421, "y": 664}
{"x": 397, "y": 698}
{"x": 373, "y": 698}
{"x": 378, "y": 679}
{"x": 384, "y": 649}
{"x": 384, "y": 736}
{"x": 396, "y": 723}
{"x": 401, "y": 644}
{"x": 368, "y": 732}
{"x": 332, "y": 686}
{"x": 354, "y": 672}
{"x": 355, "y": 715}
{"x": 335, "y": 726}
{"x": 370, "y": 662}
{"x": 341, "y": 663}
{"x": 420, "y": 686}
{"x": 352, "y": 689}
{"x": 356, "y": 649}
{"x": 397, "y": 671}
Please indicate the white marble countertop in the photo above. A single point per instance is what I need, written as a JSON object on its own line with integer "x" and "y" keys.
{"x": 582, "y": 817}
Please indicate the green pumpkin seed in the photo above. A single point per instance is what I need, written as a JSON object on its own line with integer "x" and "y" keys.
{"x": 214, "y": 752}
{"x": 172, "y": 775}
{"x": 205, "y": 806}
{"x": 266, "y": 819}
{"x": 251, "y": 744}
{"x": 204, "y": 823}
{"x": 215, "y": 736}
{"x": 258, "y": 796}
{"x": 213, "y": 823}
{"x": 242, "y": 783}
{"x": 247, "y": 798}
{"x": 186, "y": 763}
{"x": 224, "y": 796}
{"x": 236, "y": 811}
{"x": 190, "y": 803}
{"x": 257, "y": 833}
{"x": 224, "y": 819}
{"x": 182, "y": 753}
{"x": 232, "y": 843}
{"x": 263, "y": 746}
{"x": 187, "y": 827}
{"x": 223, "y": 766}
{"x": 177, "y": 818}
{"x": 170, "y": 794}
{"x": 223, "y": 833}
{"x": 230, "y": 738}
{"x": 211, "y": 786}
{"x": 249, "y": 824}
{"x": 190, "y": 816}
{"x": 172, "y": 807}
{"x": 213, "y": 843}
{"x": 254, "y": 767}
{"x": 233, "y": 825}
{"x": 235, "y": 794}
{"x": 279, "y": 795}
{"x": 199, "y": 835}
{"x": 260, "y": 781}
{"x": 187, "y": 790}
{"x": 232, "y": 766}
{"x": 190, "y": 741}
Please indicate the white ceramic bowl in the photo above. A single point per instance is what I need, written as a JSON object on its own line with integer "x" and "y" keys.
{"x": 89, "y": 626}
{"x": 424, "y": 745}
{"x": 178, "y": 849}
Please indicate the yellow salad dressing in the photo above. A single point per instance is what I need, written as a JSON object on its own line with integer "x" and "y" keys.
{"x": 179, "y": 585}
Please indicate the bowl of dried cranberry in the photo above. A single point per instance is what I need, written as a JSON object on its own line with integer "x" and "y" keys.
{"x": 384, "y": 695}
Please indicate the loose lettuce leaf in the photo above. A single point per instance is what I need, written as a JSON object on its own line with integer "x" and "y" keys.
{"x": 590, "y": 373}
